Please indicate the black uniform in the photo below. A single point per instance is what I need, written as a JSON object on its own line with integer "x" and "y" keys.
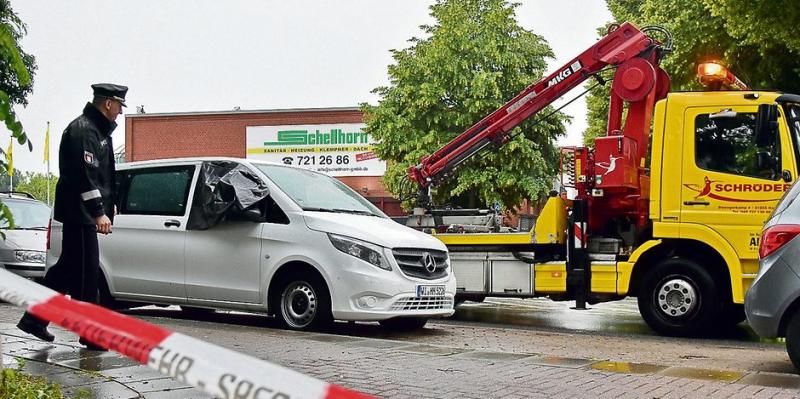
{"x": 85, "y": 191}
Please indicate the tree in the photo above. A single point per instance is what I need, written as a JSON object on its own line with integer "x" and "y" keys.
{"x": 35, "y": 184}
{"x": 475, "y": 58}
{"x": 756, "y": 39}
{"x": 16, "y": 80}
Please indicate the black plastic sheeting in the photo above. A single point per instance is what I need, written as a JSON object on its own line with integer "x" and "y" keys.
{"x": 223, "y": 188}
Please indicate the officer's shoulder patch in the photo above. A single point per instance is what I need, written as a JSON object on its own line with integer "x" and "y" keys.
{"x": 88, "y": 157}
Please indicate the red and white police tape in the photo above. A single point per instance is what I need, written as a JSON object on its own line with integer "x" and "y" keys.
{"x": 213, "y": 369}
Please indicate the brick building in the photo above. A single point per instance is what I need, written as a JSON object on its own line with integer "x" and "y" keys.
{"x": 233, "y": 134}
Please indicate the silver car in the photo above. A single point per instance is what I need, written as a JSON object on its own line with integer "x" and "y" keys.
{"x": 23, "y": 250}
{"x": 772, "y": 304}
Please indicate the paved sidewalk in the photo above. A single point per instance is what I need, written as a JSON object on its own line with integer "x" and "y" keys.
{"x": 401, "y": 369}
{"x": 81, "y": 371}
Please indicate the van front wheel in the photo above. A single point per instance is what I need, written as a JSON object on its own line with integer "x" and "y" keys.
{"x": 304, "y": 304}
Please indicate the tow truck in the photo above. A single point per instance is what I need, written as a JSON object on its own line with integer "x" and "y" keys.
{"x": 675, "y": 221}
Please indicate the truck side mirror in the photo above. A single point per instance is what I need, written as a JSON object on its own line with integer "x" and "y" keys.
{"x": 766, "y": 125}
{"x": 765, "y": 160}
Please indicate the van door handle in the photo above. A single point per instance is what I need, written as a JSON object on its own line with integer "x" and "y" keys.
{"x": 172, "y": 223}
{"x": 696, "y": 203}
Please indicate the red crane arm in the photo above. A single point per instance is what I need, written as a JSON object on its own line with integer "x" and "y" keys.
{"x": 622, "y": 44}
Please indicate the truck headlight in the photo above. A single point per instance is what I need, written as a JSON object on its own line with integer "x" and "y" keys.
{"x": 363, "y": 250}
{"x": 29, "y": 256}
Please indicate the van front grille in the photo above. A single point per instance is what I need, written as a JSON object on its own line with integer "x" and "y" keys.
{"x": 426, "y": 303}
{"x": 412, "y": 262}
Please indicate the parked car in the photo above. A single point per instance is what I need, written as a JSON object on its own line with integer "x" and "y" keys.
{"x": 23, "y": 249}
{"x": 772, "y": 304}
{"x": 227, "y": 233}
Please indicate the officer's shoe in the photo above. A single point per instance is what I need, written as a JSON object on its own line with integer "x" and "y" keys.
{"x": 92, "y": 347}
{"x": 36, "y": 329}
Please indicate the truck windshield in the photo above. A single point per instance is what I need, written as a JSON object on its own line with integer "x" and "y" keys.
{"x": 318, "y": 192}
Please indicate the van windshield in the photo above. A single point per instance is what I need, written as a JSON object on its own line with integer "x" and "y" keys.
{"x": 318, "y": 192}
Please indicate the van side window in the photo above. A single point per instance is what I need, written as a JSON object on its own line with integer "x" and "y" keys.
{"x": 158, "y": 191}
{"x": 727, "y": 144}
{"x": 274, "y": 212}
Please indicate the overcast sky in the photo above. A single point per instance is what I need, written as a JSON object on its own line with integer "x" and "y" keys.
{"x": 203, "y": 55}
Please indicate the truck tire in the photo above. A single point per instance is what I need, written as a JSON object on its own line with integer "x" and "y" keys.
{"x": 404, "y": 323}
{"x": 679, "y": 298}
{"x": 304, "y": 303}
{"x": 793, "y": 339}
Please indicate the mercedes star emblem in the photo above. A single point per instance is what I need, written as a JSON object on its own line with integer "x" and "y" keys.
{"x": 428, "y": 262}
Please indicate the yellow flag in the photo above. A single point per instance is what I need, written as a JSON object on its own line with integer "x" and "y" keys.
{"x": 47, "y": 144}
{"x": 10, "y": 157}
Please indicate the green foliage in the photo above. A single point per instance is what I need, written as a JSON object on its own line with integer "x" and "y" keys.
{"x": 755, "y": 39}
{"x": 16, "y": 67}
{"x": 474, "y": 59}
{"x": 34, "y": 183}
{"x": 15, "y": 384}
{"x": 16, "y": 82}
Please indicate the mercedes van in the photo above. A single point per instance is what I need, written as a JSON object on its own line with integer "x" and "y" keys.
{"x": 228, "y": 233}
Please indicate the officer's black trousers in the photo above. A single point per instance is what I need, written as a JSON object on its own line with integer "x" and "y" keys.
{"x": 76, "y": 272}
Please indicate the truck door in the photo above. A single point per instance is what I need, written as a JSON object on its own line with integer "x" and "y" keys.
{"x": 730, "y": 183}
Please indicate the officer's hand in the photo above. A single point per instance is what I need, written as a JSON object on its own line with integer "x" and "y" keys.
{"x": 103, "y": 224}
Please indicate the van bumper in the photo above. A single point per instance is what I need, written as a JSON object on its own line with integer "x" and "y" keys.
{"x": 373, "y": 295}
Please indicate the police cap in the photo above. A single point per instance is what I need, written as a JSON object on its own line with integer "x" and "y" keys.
{"x": 112, "y": 91}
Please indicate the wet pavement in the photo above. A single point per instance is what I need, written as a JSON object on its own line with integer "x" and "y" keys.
{"x": 85, "y": 373}
{"x": 617, "y": 317}
{"x": 446, "y": 359}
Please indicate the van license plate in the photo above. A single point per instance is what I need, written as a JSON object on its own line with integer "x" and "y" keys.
{"x": 430, "y": 290}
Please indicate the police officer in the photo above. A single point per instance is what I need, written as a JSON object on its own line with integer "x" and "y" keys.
{"x": 84, "y": 201}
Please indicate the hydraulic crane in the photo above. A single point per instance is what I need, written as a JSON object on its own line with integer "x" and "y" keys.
{"x": 638, "y": 80}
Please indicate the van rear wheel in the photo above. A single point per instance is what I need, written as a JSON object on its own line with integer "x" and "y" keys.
{"x": 304, "y": 304}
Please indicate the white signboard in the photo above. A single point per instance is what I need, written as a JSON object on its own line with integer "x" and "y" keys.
{"x": 335, "y": 149}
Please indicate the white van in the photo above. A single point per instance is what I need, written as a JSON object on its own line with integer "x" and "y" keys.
{"x": 227, "y": 233}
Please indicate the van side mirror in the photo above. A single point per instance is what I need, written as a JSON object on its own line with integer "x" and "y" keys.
{"x": 766, "y": 125}
{"x": 254, "y": 214}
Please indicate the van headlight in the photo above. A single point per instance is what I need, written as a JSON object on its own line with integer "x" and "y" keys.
{"x": 363, "y": 250}
{"x": 29, "y": 256}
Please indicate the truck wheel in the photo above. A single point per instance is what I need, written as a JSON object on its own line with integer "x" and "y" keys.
{"x": 404, "y": 323}
{"x": 304, "y": 304}
{"x": 679, "y": 298}
{"x": 793, "y": 339}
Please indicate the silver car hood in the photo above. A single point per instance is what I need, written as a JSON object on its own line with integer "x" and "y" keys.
{"x": 382, "y": 231}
